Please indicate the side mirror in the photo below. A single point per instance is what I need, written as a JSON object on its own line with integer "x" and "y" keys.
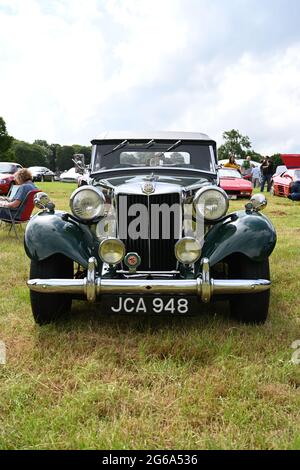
{"x": 79, "y": 162}
{"x": 257, "y": 203}
{"x": 42, "y": 201}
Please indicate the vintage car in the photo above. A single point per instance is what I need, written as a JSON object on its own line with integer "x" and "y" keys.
{"x": 69, "y": 176}
{"x": 235, "y": 186}
{"x": 151, "y": 233}
{"x": 7, "y": 180}
{"x": 282, "y": 182}
{"x": 41, "y": 173}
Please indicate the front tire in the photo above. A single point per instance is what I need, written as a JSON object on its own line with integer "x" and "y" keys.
{"x": 47, "y": 308}
{"x": 249, "y": 308}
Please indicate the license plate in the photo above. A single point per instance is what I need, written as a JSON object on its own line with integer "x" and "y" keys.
{"x": 232, "y": 196}
{"x": 156, "y": 305}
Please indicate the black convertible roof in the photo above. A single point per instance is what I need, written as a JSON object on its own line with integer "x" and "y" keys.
{"x": 146, "y": 136}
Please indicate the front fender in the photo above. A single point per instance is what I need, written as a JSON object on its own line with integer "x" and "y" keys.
{"x": 248, "y": 233}
{"x": 48, "y": 234}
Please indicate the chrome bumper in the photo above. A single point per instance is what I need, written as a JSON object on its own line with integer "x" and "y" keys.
{"x": 93, "y": 286}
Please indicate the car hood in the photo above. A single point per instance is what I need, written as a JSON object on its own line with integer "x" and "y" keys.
{"x": 6, "y": 176}
{"x": 155, "y": 183}
{"x": 291, "y": 161}
{"x": 239, "y": 183}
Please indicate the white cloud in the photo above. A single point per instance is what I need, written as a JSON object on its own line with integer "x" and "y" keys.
{"x": 258, "y": 95}
{"x": 70, "y": 69}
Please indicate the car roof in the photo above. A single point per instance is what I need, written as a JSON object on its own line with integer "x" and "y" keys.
{"x": 161, "y": 135}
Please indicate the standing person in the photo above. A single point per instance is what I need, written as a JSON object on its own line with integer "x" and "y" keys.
{"x": 23, "y": 179}
{"x": 232, "y": 163}
{"x": 256, "y": 176}
{"x": 247, "y": 167}
{"x": 267, "y": 173}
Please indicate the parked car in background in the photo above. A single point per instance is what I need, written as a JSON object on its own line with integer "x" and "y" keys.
{"x": 7, "y": 171}
{"x": 280, "y": 169}
{"x": 234, "y": 184}
{"x": 246, "y": 174}
{"x": 69, "y": 176}
{"x": 283, "y": 181}
{"x": 151, "y": 233}
{"x": 41, "y": 173}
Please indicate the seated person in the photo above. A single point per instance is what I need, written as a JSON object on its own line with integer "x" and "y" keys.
{"x": 23, "y": 179}
{"x": 232, "y": 164}
{"x": 295, "y": 191}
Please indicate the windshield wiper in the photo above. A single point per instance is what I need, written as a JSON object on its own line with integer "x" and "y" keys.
{"x": 173, "y": 146}
{"x": 150, "y": 143}
{"x": 170, "y": 148}
{"x": 122, "y": 144}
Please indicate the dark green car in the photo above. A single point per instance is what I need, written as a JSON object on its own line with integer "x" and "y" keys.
{"x": 150, "y": 233}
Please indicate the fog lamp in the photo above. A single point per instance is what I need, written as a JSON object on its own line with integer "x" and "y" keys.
{"x": 112, "y": 251}
{"x": 188, "y": 250}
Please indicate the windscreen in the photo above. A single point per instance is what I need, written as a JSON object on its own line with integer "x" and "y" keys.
{"x": 223, "y": 173}
{"x": 188, "y": 156}
{"x": 7, "y": 168}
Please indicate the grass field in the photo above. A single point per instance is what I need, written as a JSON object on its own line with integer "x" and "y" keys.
{"x": 152, "y": 383}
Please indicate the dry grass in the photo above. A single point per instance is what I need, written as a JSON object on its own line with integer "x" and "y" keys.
{"x": 96, "y": 381}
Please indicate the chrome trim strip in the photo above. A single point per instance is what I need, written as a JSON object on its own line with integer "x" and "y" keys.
{"x": 149, "y": 232}
{"x": 91, "y": 280}
{"x": 148, "y": 286}
{"x": 152, "y": 273}
{"x": 207, "y": 286}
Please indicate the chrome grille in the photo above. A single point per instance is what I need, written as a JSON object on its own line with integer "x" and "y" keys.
{"x": 156, "y": 254}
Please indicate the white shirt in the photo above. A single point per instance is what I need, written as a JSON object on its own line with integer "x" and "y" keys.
{"x": 256, "y": 173}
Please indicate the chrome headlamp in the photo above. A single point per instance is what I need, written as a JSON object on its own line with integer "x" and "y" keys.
{"x": 87, "y": 203}
{"x": 211, "y": 203}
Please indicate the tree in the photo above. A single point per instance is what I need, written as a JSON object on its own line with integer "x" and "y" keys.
{"x": 64, "y": 157}
{"x": 29, "y": 154}
{"x": 53, "y": 160}
{"x": 5, "y": 139}
{"x": 86, "y": 151}
{"x": 46, "y": 149}
{"x": 257, "y": 157}
{"x": 277, "y": 161}
{"x": 235, "y": 144}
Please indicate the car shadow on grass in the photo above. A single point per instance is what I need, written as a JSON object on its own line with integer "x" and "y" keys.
{"x": 85, "y": 316}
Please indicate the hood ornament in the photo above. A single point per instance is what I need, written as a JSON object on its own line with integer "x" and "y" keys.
{"x": 148, "y": 188}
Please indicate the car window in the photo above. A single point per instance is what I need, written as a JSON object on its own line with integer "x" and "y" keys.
{"x": 224, "y": 173}
{"x": 7, "y": 168}
{"x": 155, "y": 158}
{"x": 188, "y": 155}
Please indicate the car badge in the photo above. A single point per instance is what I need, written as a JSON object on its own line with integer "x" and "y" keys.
{"x": 148, "y": 188}
{"x": 132, "y": 261}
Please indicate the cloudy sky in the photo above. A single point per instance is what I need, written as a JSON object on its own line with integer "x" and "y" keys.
{"x": 70, "y": 69}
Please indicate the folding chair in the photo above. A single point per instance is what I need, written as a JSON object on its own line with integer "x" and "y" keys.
{"x": 23, "y": 212}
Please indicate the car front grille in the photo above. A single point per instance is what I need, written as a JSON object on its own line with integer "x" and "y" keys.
{"x": 156, "y": 254}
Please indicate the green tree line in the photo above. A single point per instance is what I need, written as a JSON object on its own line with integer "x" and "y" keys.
{"x": 240, "y": 146}
{"x": 59, "y": 157}
{"x": 40, "y": 152}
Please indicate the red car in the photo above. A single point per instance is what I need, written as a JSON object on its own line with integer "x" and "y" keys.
{"x": 7, "y": 171}
{"x": 234, "y": 184}
{"x": 283, "y": 181}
